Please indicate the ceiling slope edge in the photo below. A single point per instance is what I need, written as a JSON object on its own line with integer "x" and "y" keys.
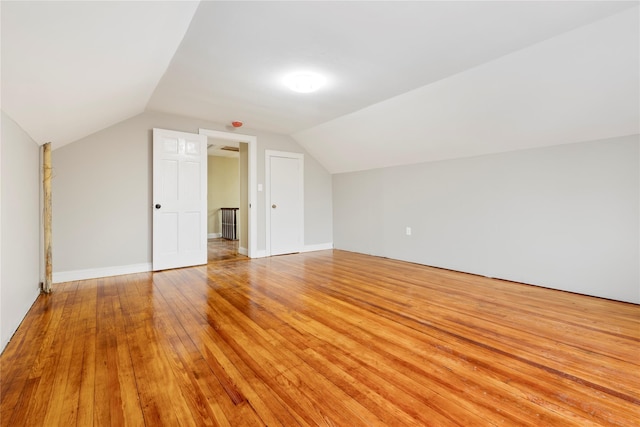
{"x": 578, "y": 86}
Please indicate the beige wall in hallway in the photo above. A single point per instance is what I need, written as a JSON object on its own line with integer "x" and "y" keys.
{"x": 223, "y": 189}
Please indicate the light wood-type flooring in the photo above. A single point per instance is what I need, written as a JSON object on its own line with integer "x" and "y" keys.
{"x": 223, "y": 250}
{"x": 327, "y": 338}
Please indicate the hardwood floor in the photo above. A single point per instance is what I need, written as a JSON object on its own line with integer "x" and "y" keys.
{"x": 223, "y": 250}
{"x": 326, "y": 338}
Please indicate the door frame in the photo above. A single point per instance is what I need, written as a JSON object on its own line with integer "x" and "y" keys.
{"x": 268, "y": 154}
{"x": 252, "y": 141}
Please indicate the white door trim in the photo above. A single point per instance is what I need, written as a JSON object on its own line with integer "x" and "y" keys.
{"x": 267, "y": 160}
{"x": 252, "y": 141}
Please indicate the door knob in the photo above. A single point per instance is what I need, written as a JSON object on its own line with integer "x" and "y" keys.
{"x": 274, "y": 206}
{"x": 158, "y": 205}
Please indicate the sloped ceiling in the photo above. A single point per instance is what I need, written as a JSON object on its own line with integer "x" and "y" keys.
{"x": 407, "y": 81}
{"x": 582, "y": 85}
{"x": 72, "y": 68}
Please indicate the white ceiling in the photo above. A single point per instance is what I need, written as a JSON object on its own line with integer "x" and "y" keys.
{"x": 408, "y": 81}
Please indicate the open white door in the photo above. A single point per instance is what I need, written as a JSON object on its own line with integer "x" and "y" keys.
{"x": 179, "y": 199}
{"x": 285, "y": 202}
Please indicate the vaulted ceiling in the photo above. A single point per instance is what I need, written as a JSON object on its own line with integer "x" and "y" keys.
{"x": 406, "y": 81}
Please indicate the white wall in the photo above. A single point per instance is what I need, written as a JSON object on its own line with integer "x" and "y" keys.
{"x": 20, "y": 227}
{"x": 102, "y": 195}
{"x": 563, "y": 217}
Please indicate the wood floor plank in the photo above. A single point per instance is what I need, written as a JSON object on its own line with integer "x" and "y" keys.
{"x": 159, "y": 389}
{"x": 326, "y": 338}
{"x": 87, "y": 354}
{"x": 126, "y": 405}
{"x": 62, "y": 406}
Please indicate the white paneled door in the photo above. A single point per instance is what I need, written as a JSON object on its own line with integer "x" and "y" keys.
{"x": 179, "y": 199}
{"x": 285, "y": 201}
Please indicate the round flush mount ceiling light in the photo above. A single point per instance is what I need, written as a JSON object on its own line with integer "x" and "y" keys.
{"x": 304, "y": 82}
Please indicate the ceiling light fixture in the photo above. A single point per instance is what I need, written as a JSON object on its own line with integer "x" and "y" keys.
{"x": 304, "y": 82}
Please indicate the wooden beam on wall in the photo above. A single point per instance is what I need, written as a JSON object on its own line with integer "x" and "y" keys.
{"x": 46, "y": 185}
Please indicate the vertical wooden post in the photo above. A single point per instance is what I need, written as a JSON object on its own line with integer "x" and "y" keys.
{"x": 46, "y": 185}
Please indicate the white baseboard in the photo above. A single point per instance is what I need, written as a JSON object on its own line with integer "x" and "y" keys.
{"x": 93, "y": 273}
{"x": 306, "y": 248}
{"x": 214, "y": 235}
{"x": 318, "y": 247}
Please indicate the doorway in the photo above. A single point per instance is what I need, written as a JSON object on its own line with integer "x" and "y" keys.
{"x": 248, "y": 193}
{"x": 226, "y": 199}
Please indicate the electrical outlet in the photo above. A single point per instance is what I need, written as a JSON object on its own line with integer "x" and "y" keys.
{"x": 408, "y": 231}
